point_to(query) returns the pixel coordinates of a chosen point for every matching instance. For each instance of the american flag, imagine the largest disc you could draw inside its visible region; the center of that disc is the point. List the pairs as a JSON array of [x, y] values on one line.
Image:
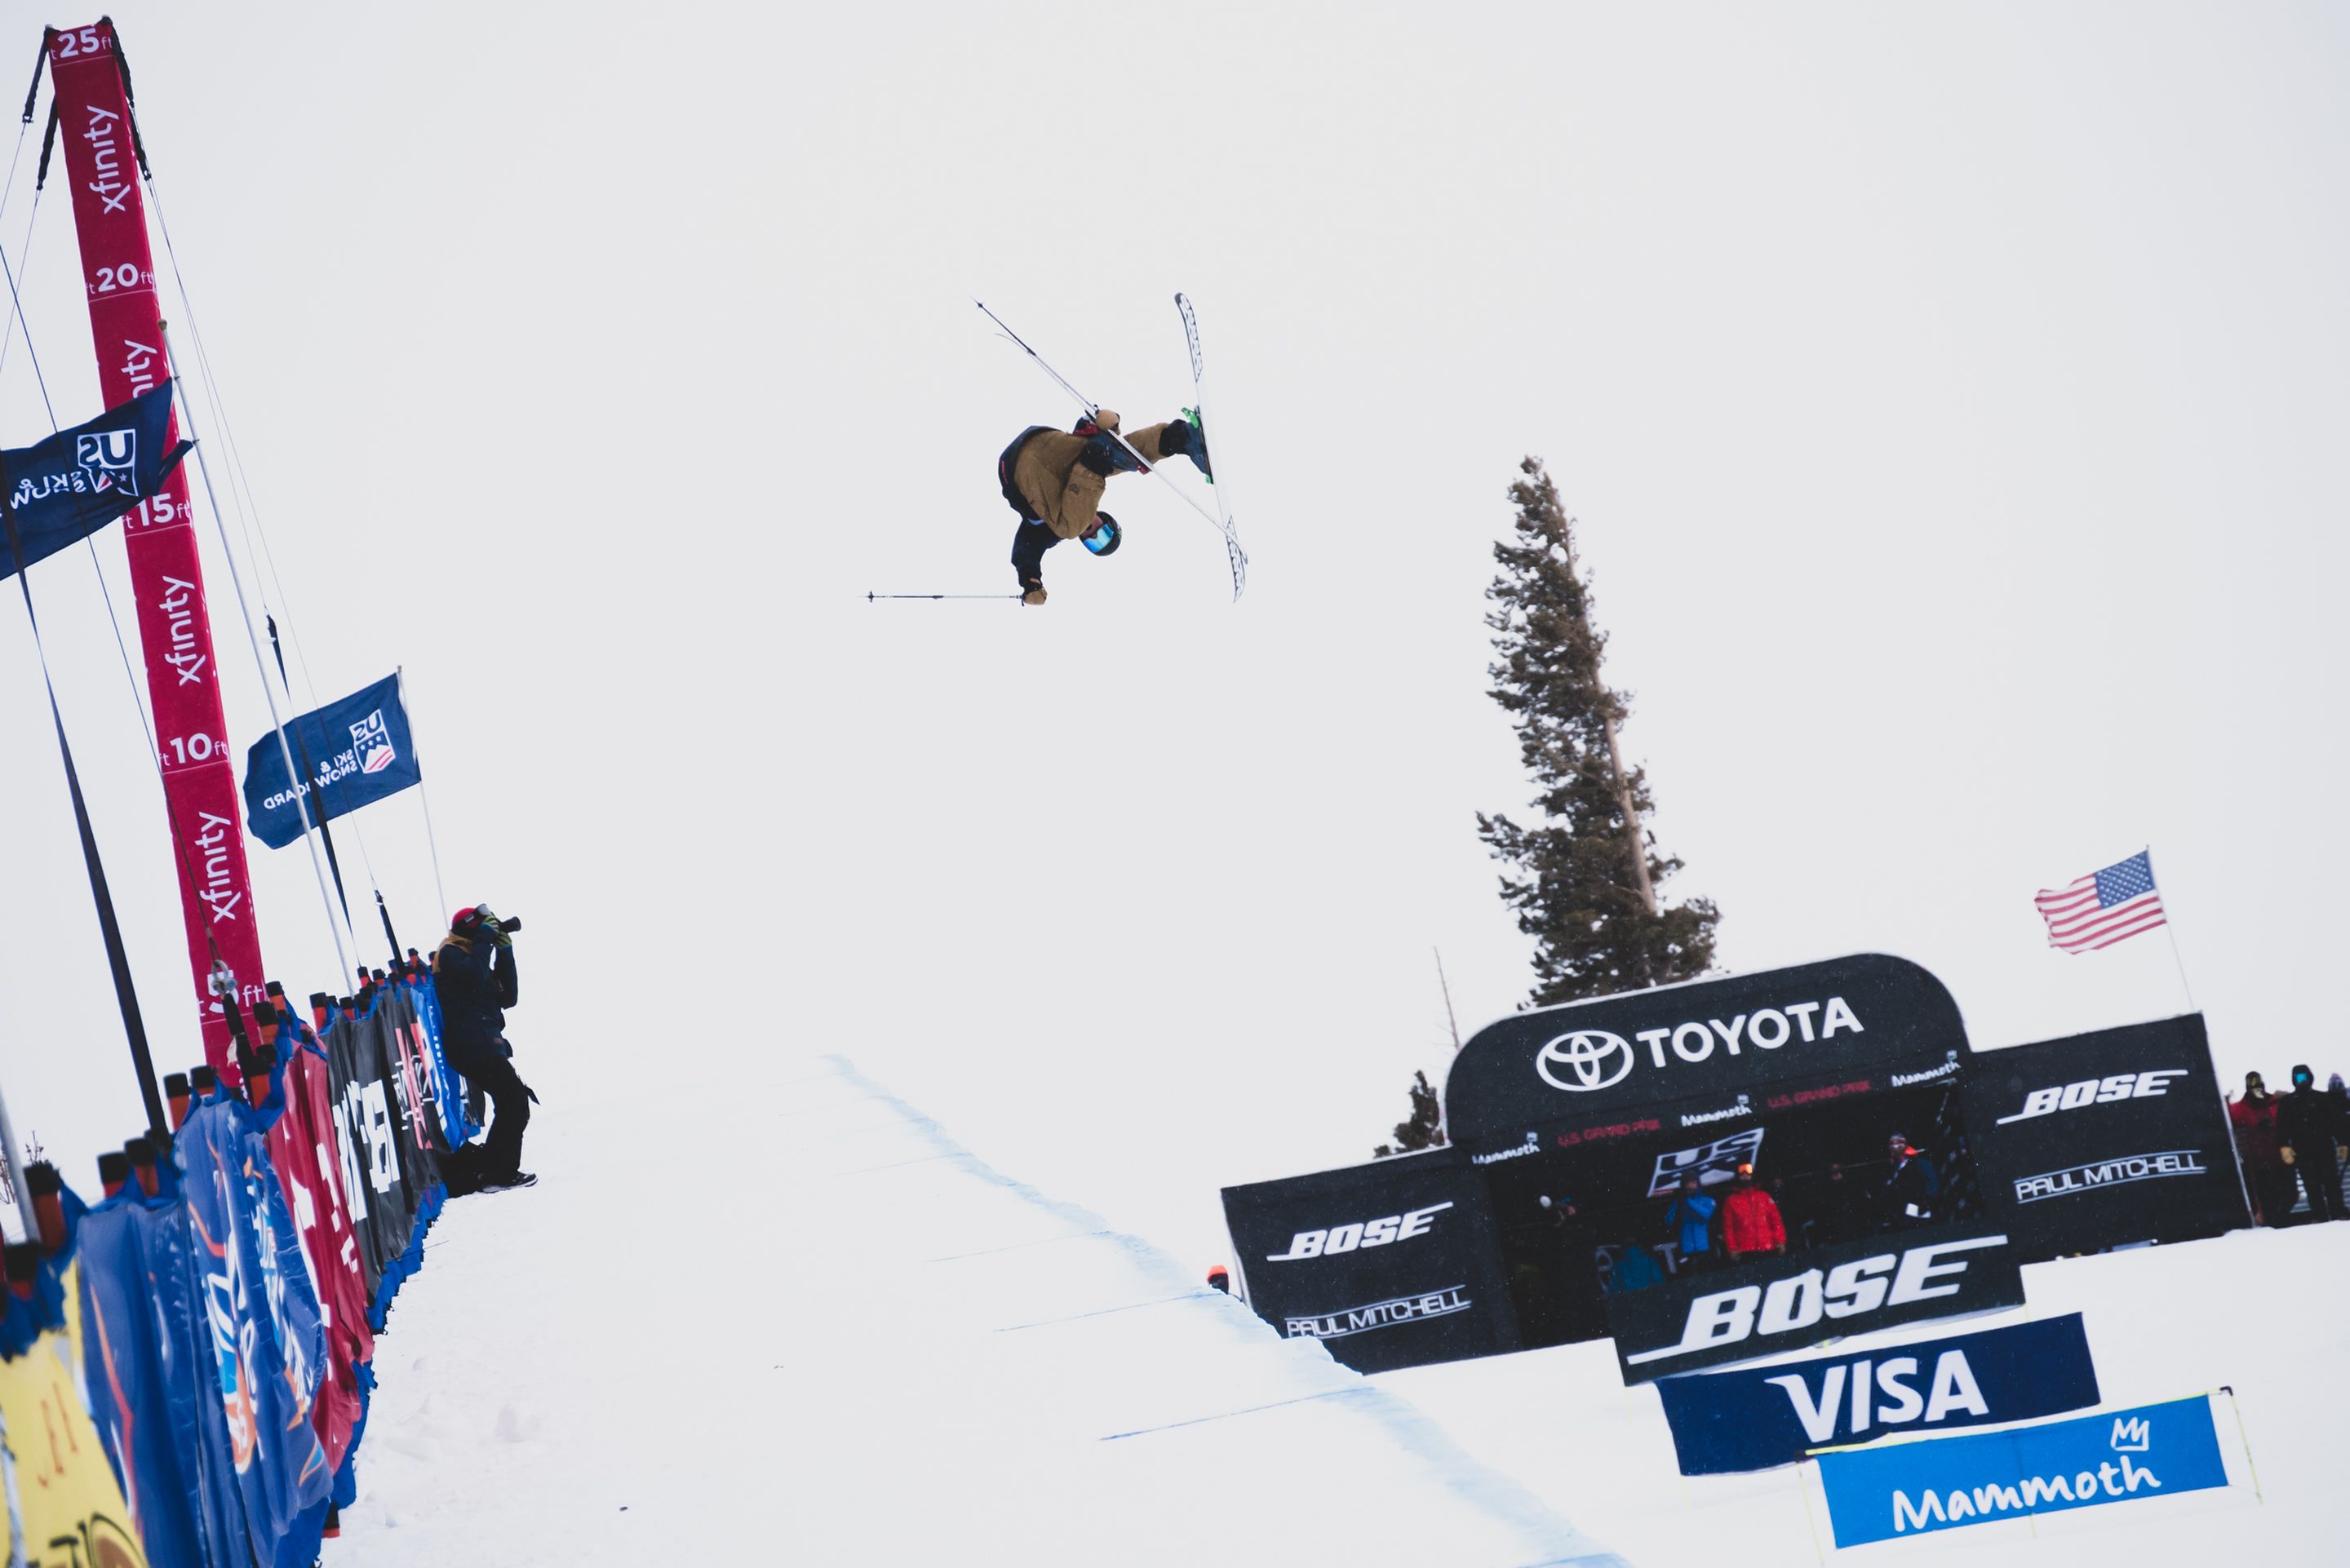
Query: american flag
[[2103, 907]]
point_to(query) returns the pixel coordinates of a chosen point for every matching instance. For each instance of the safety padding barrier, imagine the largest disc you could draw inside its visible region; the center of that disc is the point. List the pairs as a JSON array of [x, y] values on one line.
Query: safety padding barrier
[[188, 1362]]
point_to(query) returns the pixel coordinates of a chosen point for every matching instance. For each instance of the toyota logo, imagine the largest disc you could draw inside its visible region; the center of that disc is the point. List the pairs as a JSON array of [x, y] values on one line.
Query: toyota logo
[[1593, 1059]]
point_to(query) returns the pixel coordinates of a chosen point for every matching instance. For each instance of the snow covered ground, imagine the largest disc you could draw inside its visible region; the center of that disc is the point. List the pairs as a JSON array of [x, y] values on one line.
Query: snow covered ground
[[874, 1348], [871, 1348]]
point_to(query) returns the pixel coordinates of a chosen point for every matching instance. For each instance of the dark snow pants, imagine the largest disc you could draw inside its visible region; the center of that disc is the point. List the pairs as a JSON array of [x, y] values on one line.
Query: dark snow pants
[[2322, 1179]]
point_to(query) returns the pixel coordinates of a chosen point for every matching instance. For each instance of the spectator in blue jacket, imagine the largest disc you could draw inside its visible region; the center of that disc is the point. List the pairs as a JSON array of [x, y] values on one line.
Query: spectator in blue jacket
[[1688, 1224], [1636, 1269]]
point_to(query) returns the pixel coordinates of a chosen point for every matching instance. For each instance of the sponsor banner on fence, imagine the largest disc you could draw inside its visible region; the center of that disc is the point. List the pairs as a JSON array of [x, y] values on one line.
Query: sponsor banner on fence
[[1908, 1488], [302, 1147], [2104, 1138], [137, 1349], [64, 1507], [1761, 1416], [1392, 1264], [1783, 1303], [266, 1351], [1711, 1038], [385, 1127]]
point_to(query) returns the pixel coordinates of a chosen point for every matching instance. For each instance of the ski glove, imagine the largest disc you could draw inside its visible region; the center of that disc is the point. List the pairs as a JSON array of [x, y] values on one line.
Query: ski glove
[[1104, 455], [1034, 595], [1029, 542]]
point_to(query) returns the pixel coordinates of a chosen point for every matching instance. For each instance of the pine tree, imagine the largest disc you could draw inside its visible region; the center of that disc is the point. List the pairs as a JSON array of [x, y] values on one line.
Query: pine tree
[[1584, 881], [1425, 1130]]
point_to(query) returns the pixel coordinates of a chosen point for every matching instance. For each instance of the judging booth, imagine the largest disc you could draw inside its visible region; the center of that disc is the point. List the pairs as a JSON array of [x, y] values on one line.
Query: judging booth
[[1551, 1215]]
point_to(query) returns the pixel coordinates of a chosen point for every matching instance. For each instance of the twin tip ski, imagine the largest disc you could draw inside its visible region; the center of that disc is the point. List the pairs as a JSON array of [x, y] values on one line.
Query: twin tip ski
[[1222, 516], [1198, 415]]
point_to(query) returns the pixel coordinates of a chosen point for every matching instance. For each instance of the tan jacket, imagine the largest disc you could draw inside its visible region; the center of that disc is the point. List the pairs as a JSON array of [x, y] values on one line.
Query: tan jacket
[[1059, 490]]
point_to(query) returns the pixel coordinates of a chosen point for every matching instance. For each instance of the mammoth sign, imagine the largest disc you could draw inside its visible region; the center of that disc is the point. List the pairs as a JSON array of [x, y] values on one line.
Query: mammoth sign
[[1706, 1037]]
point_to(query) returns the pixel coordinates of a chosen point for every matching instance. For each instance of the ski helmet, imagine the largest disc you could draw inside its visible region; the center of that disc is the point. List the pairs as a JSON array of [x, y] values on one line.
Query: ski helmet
[[1102, 538]]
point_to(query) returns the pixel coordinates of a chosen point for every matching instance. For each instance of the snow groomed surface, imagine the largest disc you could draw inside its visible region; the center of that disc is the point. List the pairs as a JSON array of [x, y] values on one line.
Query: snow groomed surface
[[877, 1349]]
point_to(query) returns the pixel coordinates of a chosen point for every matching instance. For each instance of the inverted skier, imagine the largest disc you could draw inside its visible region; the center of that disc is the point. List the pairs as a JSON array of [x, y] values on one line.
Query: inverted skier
[[1054, 481]]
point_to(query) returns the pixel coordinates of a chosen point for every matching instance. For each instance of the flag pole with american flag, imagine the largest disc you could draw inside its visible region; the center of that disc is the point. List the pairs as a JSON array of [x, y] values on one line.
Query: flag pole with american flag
[[2110, 906]]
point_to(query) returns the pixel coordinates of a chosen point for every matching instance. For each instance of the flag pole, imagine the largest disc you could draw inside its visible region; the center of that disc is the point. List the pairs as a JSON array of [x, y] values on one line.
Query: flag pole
[[2170, 929]]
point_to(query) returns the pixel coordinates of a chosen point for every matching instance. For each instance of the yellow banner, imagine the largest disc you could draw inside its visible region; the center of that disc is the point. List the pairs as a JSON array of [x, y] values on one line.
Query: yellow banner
[[64, 1510]]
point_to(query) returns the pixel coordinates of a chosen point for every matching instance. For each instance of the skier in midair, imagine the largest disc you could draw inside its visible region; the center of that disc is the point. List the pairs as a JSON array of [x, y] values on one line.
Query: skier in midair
[[1054, 481]]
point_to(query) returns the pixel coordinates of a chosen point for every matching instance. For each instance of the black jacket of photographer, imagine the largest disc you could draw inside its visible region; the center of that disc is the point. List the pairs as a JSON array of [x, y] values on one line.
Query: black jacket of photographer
[[476, 982]]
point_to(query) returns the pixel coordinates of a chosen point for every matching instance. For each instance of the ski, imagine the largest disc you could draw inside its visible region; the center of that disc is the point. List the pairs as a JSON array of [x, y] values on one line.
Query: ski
[[1197, 414], [1223, 522]]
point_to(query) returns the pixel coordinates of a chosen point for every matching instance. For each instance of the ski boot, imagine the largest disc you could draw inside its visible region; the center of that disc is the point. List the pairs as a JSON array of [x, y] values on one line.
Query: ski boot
[[1195, 443]]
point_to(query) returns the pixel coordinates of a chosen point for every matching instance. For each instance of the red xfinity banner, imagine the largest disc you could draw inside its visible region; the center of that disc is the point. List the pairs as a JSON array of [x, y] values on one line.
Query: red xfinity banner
[[167, 578]]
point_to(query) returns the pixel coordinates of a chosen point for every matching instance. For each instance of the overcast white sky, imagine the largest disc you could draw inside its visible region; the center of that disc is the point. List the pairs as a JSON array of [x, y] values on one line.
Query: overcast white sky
[[1951, 398]]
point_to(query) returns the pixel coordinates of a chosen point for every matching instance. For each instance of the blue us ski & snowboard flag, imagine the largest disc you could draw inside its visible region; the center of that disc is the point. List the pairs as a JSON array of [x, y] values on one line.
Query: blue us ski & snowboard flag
[[356, 752], [61, 491]]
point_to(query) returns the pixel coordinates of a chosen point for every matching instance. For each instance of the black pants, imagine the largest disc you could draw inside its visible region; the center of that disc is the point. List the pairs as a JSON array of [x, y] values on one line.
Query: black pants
[[2274, 1188], [2322, 1179], [501, 1152]]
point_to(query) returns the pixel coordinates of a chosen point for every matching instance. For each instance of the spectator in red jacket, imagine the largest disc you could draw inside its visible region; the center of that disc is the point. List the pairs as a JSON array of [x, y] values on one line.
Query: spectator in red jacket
[[2253, 1119], [1751, 1226]]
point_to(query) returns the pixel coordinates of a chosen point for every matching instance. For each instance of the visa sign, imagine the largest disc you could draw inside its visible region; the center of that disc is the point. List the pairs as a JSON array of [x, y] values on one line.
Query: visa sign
[[1909, 1488], [1724, 1422]]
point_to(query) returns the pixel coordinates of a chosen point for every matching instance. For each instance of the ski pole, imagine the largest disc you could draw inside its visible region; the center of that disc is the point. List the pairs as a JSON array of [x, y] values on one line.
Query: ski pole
[[872, 598], [1092, 409]]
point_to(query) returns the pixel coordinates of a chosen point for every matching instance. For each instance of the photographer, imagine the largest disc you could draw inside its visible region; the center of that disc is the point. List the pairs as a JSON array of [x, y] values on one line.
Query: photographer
[[474, 974]]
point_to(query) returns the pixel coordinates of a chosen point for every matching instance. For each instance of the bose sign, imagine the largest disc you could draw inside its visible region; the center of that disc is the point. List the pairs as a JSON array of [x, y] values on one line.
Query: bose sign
[[1340, 1239], [1414, 1256], [1762, 1308], [2095, 1092], [2096, 1140]]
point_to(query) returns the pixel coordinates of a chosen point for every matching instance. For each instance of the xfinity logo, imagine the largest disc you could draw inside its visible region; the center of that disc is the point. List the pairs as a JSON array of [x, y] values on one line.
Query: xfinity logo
[[1584, 1059], [2129, 1167], [1366, 1233], [1381, 1314], [1799, 1301], [2095, 1091]]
